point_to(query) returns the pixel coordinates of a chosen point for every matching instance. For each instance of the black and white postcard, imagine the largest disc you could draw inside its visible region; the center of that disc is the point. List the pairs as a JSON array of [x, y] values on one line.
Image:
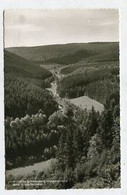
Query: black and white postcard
[[62, 84]]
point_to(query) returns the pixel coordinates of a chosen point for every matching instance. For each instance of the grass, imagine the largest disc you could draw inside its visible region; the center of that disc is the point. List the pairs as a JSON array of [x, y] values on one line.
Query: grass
[[38, 167], [85, 102]]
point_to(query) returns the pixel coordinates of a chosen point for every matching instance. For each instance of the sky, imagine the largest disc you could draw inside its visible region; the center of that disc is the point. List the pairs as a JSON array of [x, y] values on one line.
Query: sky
[[47, 27]]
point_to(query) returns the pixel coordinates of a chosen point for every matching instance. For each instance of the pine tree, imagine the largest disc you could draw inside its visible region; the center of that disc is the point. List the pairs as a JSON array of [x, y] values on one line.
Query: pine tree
[[92, 122], [70, 152], [105, 128]]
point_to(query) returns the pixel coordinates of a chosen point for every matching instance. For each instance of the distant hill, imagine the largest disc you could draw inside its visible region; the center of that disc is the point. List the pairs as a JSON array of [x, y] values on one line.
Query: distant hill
[[22, 68], [69, 53]]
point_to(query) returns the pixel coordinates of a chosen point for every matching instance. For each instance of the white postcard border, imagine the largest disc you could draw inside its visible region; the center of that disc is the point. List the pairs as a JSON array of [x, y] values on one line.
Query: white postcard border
[[72, 4]]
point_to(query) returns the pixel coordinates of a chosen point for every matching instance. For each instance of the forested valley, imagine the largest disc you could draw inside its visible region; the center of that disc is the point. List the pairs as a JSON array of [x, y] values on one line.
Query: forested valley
[[85, 144], [97, 83]]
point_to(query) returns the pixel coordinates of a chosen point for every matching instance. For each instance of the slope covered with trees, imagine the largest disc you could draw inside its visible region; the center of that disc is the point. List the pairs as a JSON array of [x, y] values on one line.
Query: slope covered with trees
[[24, 87], [23, 68], [23, 97], [29, 139], [97, 83], [85, 144], [73, 52]]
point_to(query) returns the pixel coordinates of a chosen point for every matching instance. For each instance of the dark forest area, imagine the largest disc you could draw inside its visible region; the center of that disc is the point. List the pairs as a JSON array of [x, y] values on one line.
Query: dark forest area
[[84, 143]]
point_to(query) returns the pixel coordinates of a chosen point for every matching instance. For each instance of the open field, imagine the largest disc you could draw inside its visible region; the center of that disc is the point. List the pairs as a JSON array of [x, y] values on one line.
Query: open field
[[38, 167], [85, 102]]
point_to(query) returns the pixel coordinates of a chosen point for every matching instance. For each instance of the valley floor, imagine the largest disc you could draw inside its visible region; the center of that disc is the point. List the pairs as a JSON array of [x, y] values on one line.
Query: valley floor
[[84, 102]]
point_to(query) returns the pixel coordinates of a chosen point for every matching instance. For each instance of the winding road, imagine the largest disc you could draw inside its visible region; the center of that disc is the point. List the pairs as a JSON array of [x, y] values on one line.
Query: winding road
[[84, 102]]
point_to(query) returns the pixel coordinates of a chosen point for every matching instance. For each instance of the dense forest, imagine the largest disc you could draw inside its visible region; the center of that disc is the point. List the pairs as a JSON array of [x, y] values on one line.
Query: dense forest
[[25, 87], [97, 83], [85, 144], [100, 51], [29, 138], [88, 64], [23, 97], [23, 68]]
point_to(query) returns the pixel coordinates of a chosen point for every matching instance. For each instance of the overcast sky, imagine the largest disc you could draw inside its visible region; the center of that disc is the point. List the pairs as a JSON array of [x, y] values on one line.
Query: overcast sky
[[45, 27]]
